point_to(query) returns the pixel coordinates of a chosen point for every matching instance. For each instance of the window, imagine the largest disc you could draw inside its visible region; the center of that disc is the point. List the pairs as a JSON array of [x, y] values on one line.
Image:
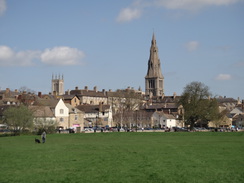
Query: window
[[61, 111], [76, 117], [61, 119]]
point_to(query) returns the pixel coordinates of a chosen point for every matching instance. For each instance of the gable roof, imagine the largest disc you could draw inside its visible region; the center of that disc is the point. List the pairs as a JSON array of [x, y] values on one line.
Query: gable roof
[[41, 111], [168, 116], [226, 100], [91, 93], [68, 97], [92, 108], [73, 109]]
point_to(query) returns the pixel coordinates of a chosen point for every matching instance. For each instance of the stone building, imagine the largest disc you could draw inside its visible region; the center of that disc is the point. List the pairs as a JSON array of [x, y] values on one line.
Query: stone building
[[154, 80], [92, 97], [57, 85], [61, 112], [97, 115]]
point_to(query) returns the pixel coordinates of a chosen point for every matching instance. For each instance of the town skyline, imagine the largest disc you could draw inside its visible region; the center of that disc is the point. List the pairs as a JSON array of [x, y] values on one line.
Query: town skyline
[[108, 45]]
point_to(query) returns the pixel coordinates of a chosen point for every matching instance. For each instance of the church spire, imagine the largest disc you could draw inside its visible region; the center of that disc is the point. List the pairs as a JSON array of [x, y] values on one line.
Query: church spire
[[153, 39], [154, 78]]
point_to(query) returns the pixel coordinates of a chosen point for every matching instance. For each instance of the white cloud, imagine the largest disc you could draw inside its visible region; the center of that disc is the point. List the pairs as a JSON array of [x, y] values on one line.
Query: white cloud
[[192, 4], [223, 77], [3, 6], [192, 45], [9, 57], [134, 11], [62, 56], [54, 56], [128, 14]]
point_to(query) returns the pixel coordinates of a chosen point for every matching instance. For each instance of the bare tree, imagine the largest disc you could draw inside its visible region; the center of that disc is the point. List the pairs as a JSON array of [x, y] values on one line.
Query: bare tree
[[126, 103], [26, 89]]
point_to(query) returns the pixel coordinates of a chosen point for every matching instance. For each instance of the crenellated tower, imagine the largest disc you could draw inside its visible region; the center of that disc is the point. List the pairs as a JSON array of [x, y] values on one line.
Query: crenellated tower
[[57, 85], [154, 80]]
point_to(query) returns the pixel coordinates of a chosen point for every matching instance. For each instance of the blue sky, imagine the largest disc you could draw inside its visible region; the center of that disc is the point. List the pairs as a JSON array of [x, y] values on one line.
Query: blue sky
[[106, 43]]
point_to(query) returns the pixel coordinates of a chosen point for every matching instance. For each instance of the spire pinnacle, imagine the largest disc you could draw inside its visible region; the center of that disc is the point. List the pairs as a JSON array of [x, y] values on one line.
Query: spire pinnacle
[[153, 39]]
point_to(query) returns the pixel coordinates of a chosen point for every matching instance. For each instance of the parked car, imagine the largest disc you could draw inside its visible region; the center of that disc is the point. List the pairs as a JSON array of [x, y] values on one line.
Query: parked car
[[5, 131], [178, 129]]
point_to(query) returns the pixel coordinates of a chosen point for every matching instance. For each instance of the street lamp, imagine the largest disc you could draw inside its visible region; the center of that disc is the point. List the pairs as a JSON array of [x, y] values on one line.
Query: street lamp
[[136, 119], [96, 125]]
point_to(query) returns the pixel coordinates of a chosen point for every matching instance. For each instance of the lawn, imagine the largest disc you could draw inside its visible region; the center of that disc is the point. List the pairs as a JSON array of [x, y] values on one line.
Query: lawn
[[124, 157]]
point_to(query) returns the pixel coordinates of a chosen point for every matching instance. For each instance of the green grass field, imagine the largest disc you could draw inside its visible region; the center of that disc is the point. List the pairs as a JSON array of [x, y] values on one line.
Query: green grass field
[[124, 157]]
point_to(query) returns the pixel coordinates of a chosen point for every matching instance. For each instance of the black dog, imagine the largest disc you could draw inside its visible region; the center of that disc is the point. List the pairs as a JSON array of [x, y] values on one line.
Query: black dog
[[37, 141]]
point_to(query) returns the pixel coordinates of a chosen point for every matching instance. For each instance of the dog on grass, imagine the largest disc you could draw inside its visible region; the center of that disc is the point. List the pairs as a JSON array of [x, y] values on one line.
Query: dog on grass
[[37, 141]]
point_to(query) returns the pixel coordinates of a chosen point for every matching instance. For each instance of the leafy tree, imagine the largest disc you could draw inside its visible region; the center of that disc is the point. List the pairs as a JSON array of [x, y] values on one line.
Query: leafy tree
[[18, 117], [198, 107]]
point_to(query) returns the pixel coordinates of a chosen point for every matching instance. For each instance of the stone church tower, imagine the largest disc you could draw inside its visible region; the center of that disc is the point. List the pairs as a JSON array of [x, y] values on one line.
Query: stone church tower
[[58, 85], [154, 80]]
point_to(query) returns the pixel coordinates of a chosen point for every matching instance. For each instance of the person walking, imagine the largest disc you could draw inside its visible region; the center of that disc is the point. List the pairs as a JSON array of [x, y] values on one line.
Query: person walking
[[44, 136]]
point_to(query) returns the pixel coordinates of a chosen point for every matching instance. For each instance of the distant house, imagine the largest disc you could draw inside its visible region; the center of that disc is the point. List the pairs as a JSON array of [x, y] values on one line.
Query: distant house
[[9, 97], [73, 100], [238, 121], [167, 108], [236, 111], [160, 119], [92, 97], [43, 116], [62, 114], [225, 122], [229, 103], [76, 118], [27, 98], [97, 115]]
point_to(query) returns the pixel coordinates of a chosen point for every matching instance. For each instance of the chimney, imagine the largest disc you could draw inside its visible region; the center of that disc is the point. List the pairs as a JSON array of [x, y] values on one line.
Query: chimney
[[16, 91], [238, 100], [7, 92], [104, 92], [67, 92], [174, 94], [95, 88], [242, 105], [40, 94], [100, 107], [20, 97], [86, 88], [76, 88]]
